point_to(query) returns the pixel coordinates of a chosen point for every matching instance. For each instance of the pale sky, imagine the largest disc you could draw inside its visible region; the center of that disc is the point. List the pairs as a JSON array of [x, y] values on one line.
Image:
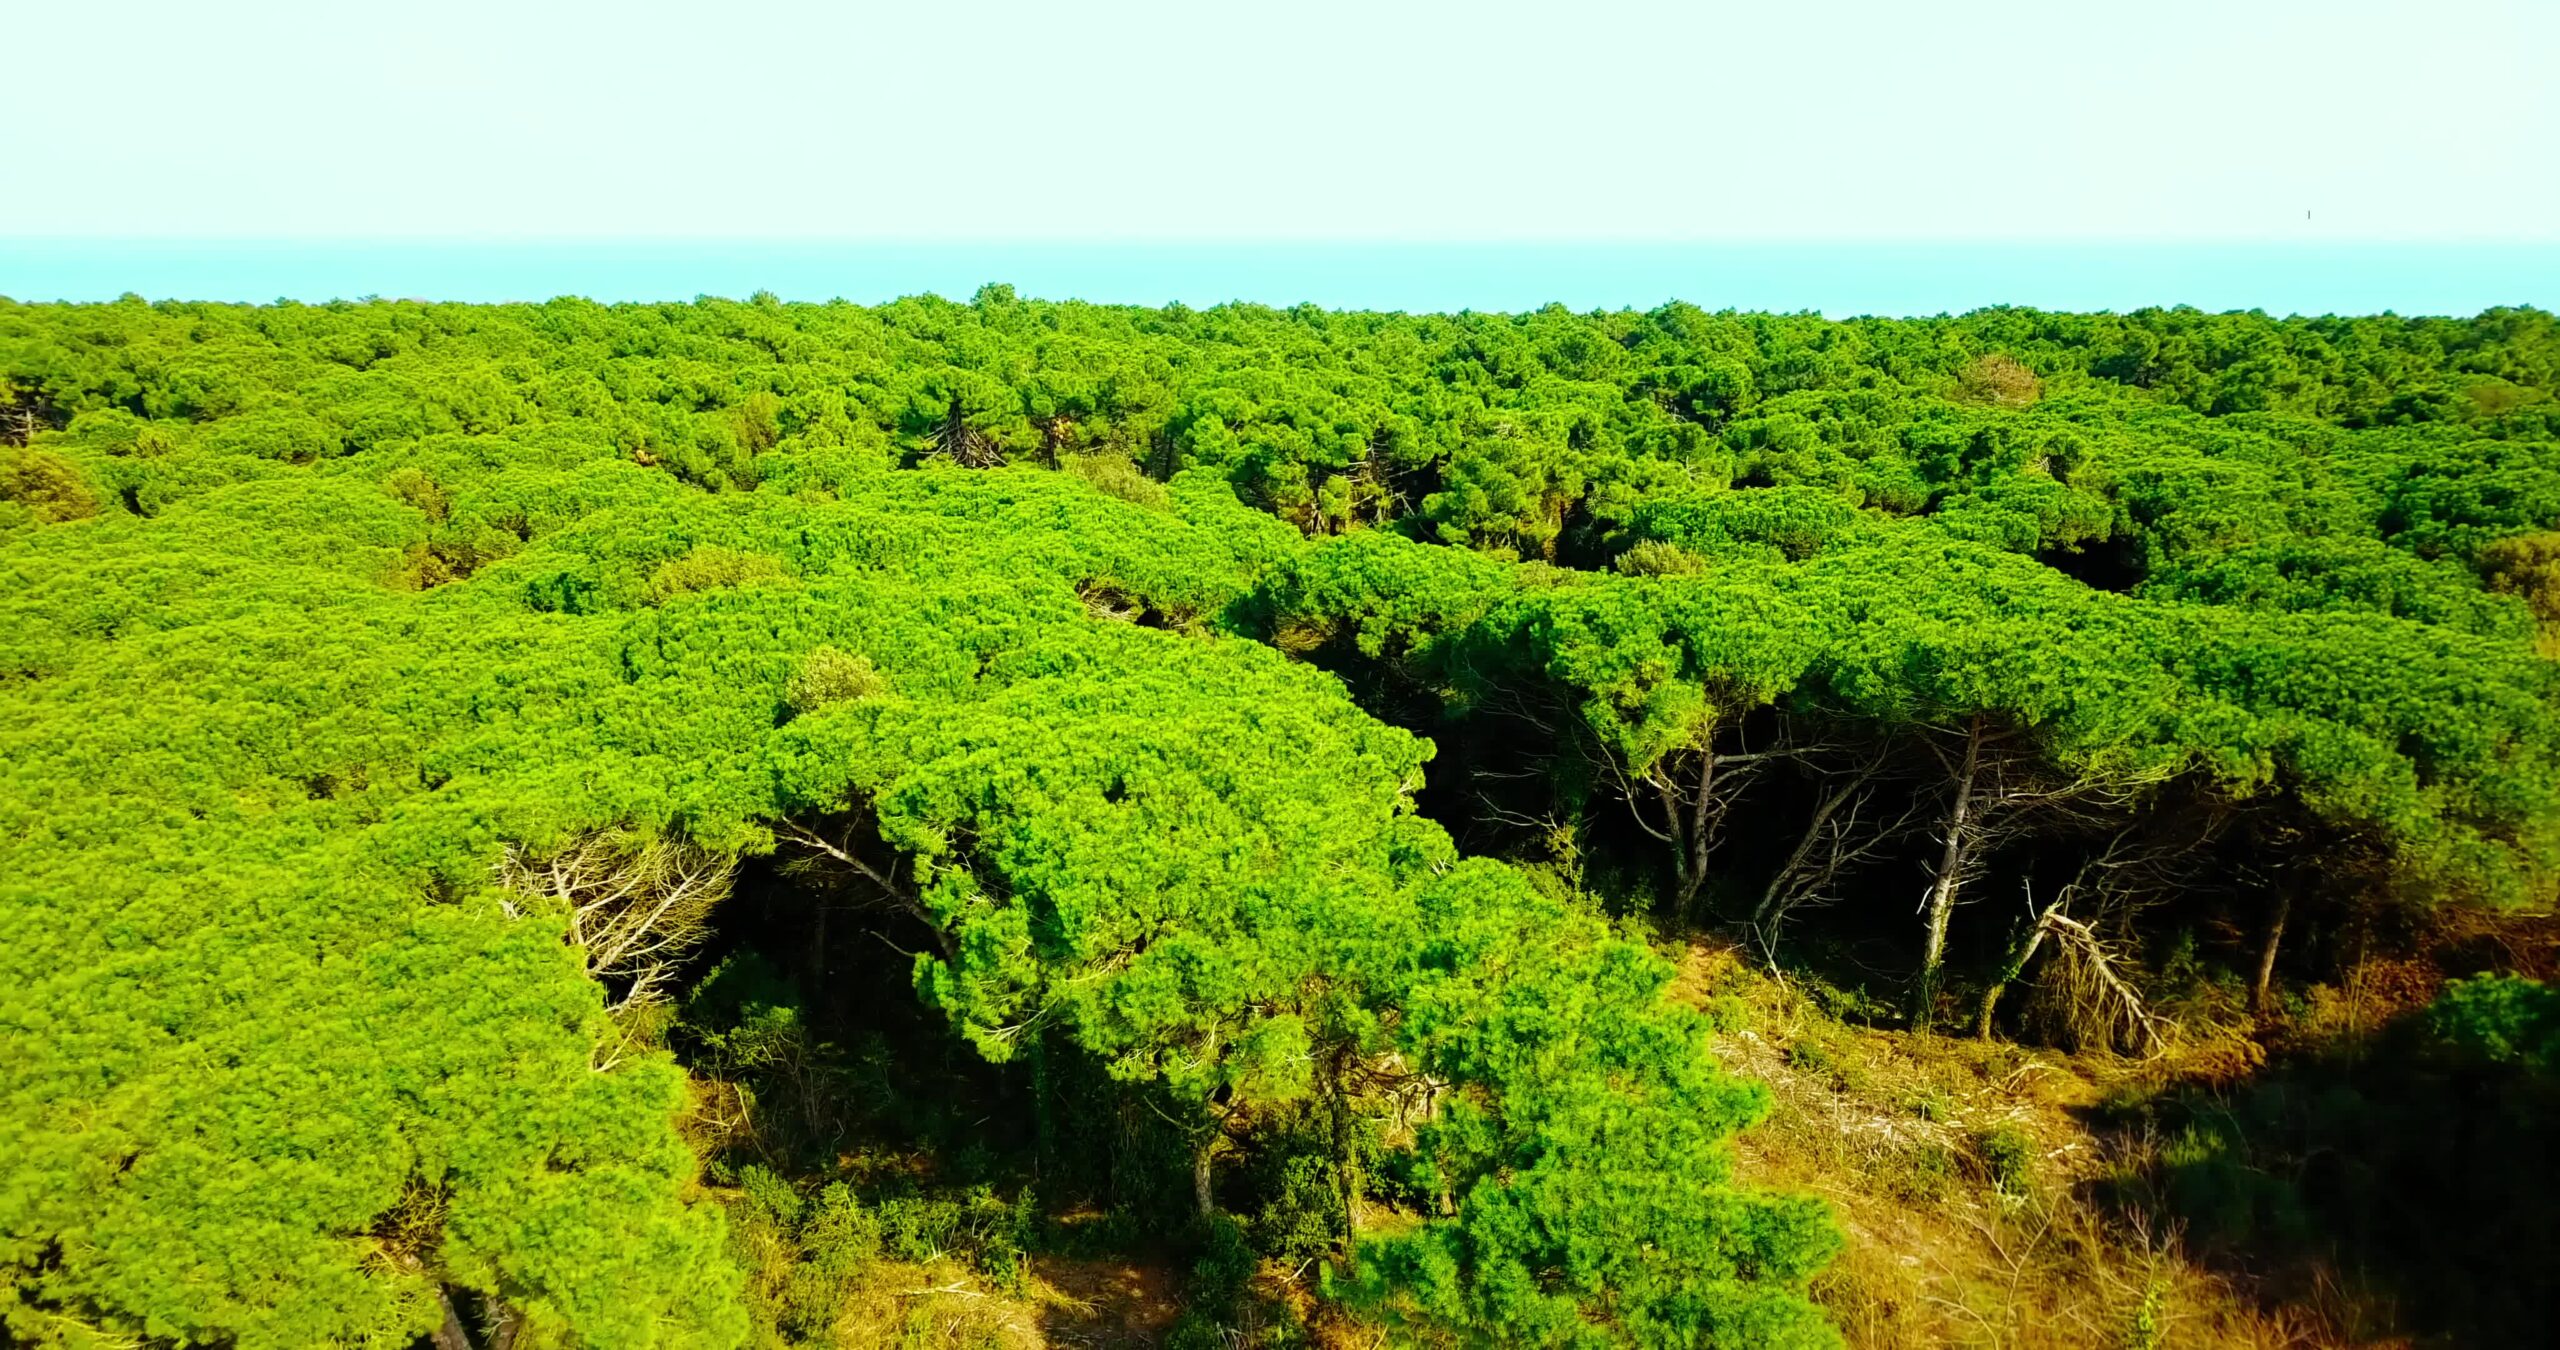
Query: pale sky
[[2388, 120]]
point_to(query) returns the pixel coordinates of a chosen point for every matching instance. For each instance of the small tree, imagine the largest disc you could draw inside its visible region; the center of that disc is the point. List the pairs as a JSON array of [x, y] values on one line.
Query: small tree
[[49, 487], [828, 675]]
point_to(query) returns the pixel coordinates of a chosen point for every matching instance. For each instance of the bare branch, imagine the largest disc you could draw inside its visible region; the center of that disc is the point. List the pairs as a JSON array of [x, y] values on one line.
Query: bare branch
[[1843, 832], [882, 879], [636, 906]]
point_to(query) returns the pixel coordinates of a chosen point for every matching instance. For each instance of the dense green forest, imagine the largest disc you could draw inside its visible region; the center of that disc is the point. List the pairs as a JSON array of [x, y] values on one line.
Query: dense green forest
[[572, 824]]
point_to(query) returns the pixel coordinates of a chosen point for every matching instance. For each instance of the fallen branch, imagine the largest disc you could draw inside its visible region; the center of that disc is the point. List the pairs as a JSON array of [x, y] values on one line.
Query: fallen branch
[[954, 1288], [2097, 997]]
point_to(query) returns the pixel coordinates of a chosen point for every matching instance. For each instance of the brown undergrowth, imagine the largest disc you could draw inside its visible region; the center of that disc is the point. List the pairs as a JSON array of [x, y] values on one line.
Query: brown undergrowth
[[946, 1303], [1993, 1195], [1972, 1185]]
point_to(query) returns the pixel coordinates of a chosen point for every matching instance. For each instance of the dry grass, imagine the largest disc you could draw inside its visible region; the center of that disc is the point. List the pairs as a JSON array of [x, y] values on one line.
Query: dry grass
[[943, 1305], [1962, 1171], [1105, 1303]]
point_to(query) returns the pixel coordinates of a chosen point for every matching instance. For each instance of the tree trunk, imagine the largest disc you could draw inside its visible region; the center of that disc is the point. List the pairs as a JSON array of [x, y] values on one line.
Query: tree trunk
[[819, 989], [1688, 832], [1200, 1195], [1044, 1124], [502, 1335], [1444, 1202], [449, 1334], [1766, 912], [2262, 994], [1796, 876], [1698, 832], [1942, 889], [2016, 966], [1346, 1187]]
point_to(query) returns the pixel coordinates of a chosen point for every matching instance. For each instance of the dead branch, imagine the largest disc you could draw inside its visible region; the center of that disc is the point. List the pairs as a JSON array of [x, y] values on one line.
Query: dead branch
[[1844, 831], [636, 905], [844, 851], [2091, 996], [1694, 789], [964, 444], [2103, 1006], [1999, 787]]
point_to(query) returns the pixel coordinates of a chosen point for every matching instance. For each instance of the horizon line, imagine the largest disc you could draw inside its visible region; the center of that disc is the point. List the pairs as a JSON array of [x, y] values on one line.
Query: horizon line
[[1282, 241]]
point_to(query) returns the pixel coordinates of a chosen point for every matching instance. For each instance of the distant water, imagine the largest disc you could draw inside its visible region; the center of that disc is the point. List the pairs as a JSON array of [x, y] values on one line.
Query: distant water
[[1835, 279]]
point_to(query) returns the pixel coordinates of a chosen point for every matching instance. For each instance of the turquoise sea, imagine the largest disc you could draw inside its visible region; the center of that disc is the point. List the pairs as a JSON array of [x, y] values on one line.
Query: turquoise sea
[[1837, 279]]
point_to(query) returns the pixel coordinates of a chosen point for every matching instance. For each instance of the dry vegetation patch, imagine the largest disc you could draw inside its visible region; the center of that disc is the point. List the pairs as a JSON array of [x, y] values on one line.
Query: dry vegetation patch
[[1967, 1176], [1105, 1302]]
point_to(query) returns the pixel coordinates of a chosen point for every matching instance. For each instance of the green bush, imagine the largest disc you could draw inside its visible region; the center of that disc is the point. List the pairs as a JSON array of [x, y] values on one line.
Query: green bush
[[2500, 1019], [1115, 475], [708, 568], [2006, 1154], [827, 675], [46, 486]]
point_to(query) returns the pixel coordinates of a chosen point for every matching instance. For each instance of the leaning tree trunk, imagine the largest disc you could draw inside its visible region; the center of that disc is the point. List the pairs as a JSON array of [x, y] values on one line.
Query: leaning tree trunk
[[1819, 854], [2016, 966], [2262, 993], [1952, 861], [1692, 801], [449, 1334], [1773, 896], [1346, 1186]]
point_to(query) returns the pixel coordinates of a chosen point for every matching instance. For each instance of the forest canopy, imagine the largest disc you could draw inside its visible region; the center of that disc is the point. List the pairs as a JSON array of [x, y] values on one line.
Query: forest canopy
[[1273, 738]]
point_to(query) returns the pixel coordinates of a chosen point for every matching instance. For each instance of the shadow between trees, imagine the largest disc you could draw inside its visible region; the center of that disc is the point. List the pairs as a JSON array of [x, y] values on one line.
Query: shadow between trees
[[821, 1068], [2400, 1184]]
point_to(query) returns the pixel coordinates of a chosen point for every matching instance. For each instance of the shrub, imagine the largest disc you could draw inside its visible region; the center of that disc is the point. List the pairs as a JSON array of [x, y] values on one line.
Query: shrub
[[2007, 1154], [1116, 476], [413, 486], [1919, 1174], [2500, 1019], [827, 675], [47, 486], [1999, 379], [709, 567], [1654, 558]]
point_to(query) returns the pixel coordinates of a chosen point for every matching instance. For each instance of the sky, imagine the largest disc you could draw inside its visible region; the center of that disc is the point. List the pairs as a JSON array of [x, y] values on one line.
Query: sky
[[962, 120]]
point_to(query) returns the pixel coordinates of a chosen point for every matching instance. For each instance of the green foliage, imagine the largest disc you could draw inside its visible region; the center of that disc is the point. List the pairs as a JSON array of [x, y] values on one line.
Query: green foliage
[[1589, 1200], [2007, 1155], [1997, 378], [334, 608], [827, 675], [1654, 558], [2396, 1161], [42, 487], [1195, 855], [2500, 1019], [804, 1255], [709, 567], [2148, 1328], [1116, 476]]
